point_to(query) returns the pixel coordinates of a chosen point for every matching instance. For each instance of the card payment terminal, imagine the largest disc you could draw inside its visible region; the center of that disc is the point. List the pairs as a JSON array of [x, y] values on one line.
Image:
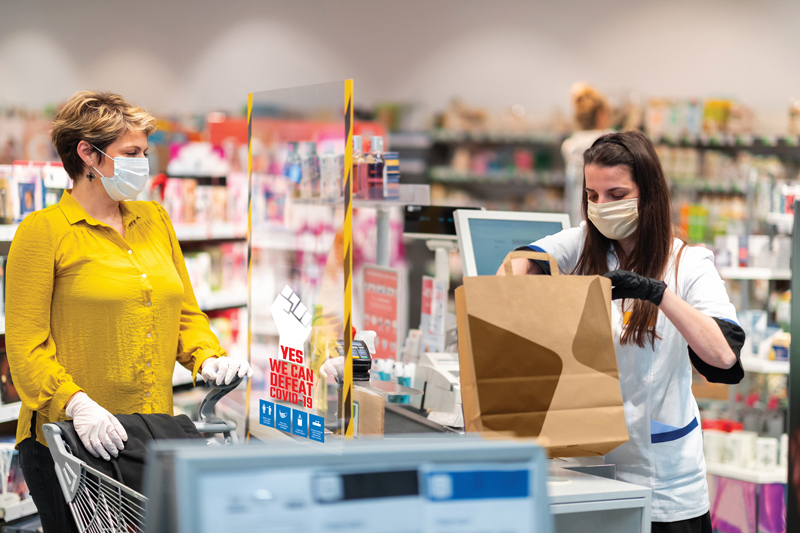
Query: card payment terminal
[[362, 361]]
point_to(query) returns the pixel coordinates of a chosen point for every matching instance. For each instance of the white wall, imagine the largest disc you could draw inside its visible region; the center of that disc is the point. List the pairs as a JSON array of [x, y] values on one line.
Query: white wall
[[175, 56]]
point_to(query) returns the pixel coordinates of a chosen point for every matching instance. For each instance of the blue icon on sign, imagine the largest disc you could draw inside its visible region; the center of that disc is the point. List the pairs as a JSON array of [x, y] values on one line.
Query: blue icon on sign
[[284, 419], [300, 423], [266, 414], [316, 428]]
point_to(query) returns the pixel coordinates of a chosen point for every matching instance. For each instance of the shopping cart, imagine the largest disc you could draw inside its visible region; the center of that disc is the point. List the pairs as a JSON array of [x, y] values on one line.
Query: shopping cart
[[101, 504]]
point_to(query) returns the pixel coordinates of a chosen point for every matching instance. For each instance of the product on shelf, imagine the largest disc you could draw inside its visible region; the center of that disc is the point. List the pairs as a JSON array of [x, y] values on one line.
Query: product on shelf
[[27, 186], [6, 204], [391, 176], [375, 164], [331, 175], [216, 269], [197, 159], [8, 392], [693, 118], [359, 165], [54, 181], [237, 196], [205, 201], [230, 327], [189, 199], [309, 184], [293, 167]]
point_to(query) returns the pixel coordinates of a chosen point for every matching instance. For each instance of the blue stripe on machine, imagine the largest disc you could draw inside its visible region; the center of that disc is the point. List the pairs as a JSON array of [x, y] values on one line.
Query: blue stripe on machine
[[674, 434], [480, 485]]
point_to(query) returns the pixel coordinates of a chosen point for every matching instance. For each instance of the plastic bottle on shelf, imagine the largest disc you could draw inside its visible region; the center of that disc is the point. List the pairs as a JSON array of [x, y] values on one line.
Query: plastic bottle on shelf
[[752, 415], [330, 178], [309, 186], [359, 175], [375, 165], [774, 419], [292, 168]]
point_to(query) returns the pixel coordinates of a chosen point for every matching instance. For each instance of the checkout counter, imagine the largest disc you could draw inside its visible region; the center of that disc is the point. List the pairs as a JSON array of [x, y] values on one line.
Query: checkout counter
[[582, 494]]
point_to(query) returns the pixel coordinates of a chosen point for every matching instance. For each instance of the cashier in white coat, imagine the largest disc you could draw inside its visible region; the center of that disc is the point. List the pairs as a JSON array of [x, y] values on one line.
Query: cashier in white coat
[[670, 311]]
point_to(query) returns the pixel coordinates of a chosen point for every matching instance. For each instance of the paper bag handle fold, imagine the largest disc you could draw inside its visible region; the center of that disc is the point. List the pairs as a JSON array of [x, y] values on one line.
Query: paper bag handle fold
[[538, 256]]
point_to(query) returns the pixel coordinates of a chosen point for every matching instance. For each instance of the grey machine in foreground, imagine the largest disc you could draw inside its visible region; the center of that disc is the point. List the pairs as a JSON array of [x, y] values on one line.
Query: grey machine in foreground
[[434, 484]]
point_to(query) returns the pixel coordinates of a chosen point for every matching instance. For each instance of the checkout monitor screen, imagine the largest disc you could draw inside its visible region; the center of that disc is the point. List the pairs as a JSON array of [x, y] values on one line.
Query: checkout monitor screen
[[493, 239]]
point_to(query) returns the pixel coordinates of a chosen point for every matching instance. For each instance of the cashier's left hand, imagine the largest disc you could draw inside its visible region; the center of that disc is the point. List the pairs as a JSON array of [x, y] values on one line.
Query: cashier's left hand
[[224, 369], [630, 285], [335, 368]]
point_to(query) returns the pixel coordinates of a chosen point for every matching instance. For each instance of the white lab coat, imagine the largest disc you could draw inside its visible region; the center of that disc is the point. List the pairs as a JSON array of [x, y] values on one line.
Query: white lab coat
[[665, 450]]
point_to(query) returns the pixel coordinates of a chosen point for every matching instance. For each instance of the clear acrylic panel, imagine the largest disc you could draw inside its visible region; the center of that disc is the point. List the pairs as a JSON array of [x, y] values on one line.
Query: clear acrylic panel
[[297, 242]]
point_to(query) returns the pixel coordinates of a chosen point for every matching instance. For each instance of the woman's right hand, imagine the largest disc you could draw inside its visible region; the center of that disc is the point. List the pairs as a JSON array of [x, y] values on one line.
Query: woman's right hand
[[521, 266], [99, 430]]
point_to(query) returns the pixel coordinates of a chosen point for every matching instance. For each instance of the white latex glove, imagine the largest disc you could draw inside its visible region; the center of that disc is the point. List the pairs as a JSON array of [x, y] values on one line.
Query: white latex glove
[[369, 339], [99, 430], [335, 368], [224, 369]]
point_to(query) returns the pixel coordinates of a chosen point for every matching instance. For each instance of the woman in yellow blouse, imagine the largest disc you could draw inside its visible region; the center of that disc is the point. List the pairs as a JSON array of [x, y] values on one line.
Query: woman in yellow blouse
[[99, 305]]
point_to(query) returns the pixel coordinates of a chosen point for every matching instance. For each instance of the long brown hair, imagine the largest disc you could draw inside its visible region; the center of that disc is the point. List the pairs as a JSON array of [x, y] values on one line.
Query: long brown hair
[[654, 235]]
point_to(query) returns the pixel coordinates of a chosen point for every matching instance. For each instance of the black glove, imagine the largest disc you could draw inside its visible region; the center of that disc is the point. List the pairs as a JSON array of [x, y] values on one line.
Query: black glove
[[631, 285]]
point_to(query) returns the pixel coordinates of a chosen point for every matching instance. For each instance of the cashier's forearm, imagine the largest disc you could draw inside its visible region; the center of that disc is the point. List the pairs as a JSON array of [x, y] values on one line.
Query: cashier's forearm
[[700, 331]]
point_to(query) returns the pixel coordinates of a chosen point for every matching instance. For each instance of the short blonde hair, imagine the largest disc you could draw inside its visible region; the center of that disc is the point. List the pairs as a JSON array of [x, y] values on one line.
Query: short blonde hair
[[588, 102], [99, 118]]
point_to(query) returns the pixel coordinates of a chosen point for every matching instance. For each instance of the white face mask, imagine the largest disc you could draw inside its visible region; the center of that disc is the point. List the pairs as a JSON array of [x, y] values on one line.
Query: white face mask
[[616, 220], [129, 179]]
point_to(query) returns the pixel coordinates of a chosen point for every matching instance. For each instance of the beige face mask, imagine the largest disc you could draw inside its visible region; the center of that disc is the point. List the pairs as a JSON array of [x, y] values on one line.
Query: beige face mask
[[616, 220]]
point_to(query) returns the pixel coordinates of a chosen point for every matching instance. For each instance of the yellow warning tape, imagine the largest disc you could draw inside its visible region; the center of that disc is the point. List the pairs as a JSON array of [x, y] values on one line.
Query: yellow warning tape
[[249, 250], [347, 393]]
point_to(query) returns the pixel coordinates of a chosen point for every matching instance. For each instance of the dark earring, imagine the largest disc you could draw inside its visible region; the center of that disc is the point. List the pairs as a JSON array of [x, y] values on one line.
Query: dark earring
[[90, 176]]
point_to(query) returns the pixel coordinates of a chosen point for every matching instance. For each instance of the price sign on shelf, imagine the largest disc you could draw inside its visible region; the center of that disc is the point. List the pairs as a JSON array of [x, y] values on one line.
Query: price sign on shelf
[[381, 308], [432, 318]]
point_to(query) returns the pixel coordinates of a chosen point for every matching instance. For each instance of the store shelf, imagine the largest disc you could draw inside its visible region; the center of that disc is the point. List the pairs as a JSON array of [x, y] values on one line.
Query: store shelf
[[7, 232], [760, 366], [210, 231], [408, 140], [747, 141], [450, 136], [272, 240], [181, 376], [9, 412], [222, 300], [780, 219], [184, 232], [755, 273], [444, 174], [413, 166], [762, 477], [18, 510], [704, 186]]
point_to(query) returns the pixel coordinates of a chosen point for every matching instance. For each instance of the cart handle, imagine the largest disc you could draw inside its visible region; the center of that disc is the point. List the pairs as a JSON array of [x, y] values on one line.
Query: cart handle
[[210, 401]]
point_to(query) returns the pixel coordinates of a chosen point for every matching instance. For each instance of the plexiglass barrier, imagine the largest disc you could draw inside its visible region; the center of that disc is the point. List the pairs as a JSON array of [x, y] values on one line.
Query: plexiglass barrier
[[299, 242]]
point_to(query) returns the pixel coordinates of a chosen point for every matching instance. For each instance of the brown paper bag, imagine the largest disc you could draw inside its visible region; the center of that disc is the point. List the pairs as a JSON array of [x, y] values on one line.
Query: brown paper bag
[[537, 358]]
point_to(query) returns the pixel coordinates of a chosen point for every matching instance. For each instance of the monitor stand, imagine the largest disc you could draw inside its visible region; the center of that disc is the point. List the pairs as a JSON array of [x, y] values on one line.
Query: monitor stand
[[442, 249]]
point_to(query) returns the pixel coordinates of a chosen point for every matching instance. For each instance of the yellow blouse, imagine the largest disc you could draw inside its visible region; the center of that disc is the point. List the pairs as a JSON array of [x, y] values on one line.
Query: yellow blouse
[[88, 310]]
